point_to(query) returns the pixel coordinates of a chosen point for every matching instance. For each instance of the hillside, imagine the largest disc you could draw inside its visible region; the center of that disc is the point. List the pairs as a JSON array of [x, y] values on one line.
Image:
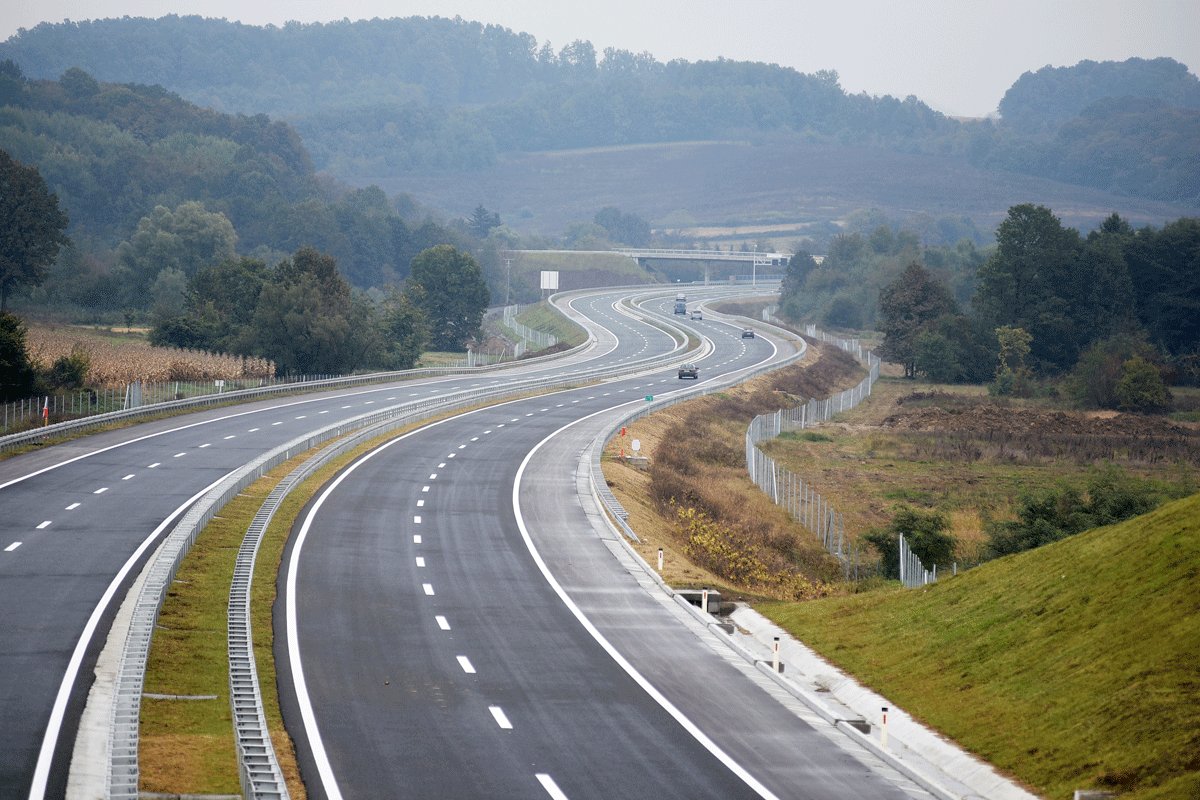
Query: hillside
[[1070, 666], [380, 99]]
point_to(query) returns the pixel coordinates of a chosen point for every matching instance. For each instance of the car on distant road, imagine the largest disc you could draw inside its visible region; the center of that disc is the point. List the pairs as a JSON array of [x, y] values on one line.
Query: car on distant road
[[747, 333], [689, 370], [697, 315]]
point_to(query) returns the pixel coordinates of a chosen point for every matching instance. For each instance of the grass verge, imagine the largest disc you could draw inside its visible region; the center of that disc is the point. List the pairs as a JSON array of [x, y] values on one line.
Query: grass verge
[[546, 318], [1071, 666]]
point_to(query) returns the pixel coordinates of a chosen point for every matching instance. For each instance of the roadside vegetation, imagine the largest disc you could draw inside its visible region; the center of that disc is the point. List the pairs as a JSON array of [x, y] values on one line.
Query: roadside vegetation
[[1068, 665]]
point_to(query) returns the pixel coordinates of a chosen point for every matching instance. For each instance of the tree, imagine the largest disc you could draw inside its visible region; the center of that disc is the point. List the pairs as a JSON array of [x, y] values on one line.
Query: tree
[[303, 319], [448, 286], [1032, 282], [1093, 381], [925, 532], [32, 227], [188, 238], [405, 333], [17, 374], [482, 221], [1012, 374], [909, 306], [1141, 387]]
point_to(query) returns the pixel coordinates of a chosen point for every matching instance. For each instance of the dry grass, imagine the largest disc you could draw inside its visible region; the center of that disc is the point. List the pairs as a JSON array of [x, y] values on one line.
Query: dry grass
[[117, 359], [697, 502]]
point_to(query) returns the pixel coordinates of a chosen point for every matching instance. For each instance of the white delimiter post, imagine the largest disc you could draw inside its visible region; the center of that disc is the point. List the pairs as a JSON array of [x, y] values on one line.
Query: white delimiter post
[[883, 739], [660, 556], [704, 600], [775, 654]]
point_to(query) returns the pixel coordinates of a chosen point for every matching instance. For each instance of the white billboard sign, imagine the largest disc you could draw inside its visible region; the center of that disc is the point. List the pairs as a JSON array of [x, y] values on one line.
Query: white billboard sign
[[550, 280]]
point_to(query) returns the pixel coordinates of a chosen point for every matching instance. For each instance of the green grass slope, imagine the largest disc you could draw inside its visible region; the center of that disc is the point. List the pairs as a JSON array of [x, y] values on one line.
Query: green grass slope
[[1073, 666]]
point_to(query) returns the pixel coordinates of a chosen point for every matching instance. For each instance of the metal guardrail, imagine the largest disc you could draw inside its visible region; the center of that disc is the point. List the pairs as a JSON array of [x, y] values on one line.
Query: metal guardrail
[[245, 395], [257, 766]]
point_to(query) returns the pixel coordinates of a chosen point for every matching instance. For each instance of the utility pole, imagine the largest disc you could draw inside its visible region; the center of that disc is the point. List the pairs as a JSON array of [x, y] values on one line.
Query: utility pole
[[507, 281]]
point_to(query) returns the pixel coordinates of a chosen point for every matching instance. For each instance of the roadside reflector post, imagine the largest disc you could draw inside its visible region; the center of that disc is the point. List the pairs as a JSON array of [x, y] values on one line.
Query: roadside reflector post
[[883, 738], [660, 554], [775, 654], [704, 600]]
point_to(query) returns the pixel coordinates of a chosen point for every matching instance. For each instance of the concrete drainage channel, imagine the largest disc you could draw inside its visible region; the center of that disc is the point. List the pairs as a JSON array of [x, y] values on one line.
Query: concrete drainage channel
[[258, 767]]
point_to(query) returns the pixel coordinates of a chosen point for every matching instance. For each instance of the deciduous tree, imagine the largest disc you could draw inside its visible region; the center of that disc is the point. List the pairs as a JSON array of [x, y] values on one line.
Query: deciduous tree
[[907, 307], [32, 227], [448, 286]]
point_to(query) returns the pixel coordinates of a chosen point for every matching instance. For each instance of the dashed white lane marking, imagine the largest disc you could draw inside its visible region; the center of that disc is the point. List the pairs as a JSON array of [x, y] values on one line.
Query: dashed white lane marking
[[127, 477], [474, 438], [101, 490], [466, 665], [501, 425], [206, 444], [485, 433], [543, 409], [43, 525], [154, 465], [254, 430], [302, 416], [515, 419], [420, 503], [369, 402], [277, 423], [530, 414], [417, 519], [574, 401], [550, 786], [462, 447], [393, 397], [420, 561], [452, 455], [433, 476], [442, 623], [15, 545], [428, 587], [416, 538], [500, 717], [179, 455], [424, 488], [560, 405], [442, 465], [231, 436], [73, 506], [326, 411]]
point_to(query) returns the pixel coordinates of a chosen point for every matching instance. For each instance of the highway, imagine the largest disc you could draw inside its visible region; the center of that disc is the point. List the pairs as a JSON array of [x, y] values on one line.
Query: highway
[[457, 624], [77, 521]]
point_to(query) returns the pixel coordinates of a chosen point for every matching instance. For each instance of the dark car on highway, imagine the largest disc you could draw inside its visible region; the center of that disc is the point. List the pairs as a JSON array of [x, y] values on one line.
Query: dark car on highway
[[747, 333], [689, 371]]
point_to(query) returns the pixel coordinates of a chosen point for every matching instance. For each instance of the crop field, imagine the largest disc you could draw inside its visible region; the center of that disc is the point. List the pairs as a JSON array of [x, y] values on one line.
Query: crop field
[[789, 183], [115, 359]]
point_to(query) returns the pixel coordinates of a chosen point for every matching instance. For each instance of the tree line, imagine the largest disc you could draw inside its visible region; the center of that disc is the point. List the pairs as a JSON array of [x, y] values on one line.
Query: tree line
[[1110, 319]]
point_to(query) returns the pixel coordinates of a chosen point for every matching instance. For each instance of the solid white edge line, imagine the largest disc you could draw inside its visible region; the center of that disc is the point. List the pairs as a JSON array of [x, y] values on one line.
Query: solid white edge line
[[307, 715], [613, 653], [41, 773]]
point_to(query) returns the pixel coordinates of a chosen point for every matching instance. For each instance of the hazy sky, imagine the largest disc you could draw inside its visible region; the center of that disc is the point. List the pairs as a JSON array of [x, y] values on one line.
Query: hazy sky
[[957, 55]]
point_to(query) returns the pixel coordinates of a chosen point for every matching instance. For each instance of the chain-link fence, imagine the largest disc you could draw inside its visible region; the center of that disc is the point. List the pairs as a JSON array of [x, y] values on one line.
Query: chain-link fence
[[539, 339], [787, 489]]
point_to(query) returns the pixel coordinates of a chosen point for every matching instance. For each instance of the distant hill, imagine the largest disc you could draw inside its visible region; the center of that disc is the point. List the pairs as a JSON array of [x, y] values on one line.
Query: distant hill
[[400, 101], [113, 152]]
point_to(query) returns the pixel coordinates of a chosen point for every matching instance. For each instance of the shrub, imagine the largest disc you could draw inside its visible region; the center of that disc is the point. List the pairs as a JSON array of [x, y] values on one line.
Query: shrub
[[925, 532], [1141, 387]]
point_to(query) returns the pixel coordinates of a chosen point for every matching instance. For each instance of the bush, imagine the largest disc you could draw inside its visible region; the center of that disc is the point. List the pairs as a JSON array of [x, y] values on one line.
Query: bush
[[925, 532], [1141, 387], [16, 371], [69, 371], [1056, 514]]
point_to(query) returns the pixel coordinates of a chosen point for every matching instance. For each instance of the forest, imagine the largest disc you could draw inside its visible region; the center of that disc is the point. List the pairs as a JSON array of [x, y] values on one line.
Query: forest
[[389, 96]]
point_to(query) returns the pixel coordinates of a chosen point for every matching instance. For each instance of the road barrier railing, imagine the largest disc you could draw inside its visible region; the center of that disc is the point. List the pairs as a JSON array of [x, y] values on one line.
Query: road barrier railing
[[258, 767]]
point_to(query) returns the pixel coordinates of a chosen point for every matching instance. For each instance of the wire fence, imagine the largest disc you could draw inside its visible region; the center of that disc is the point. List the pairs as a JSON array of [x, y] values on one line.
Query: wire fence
[[51, 408], [787, 489], [912, 571], [539, 339]]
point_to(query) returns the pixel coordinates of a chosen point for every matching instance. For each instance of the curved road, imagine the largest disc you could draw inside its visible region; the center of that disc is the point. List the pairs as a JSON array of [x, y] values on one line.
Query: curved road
[[455, 624], [77, 520]]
